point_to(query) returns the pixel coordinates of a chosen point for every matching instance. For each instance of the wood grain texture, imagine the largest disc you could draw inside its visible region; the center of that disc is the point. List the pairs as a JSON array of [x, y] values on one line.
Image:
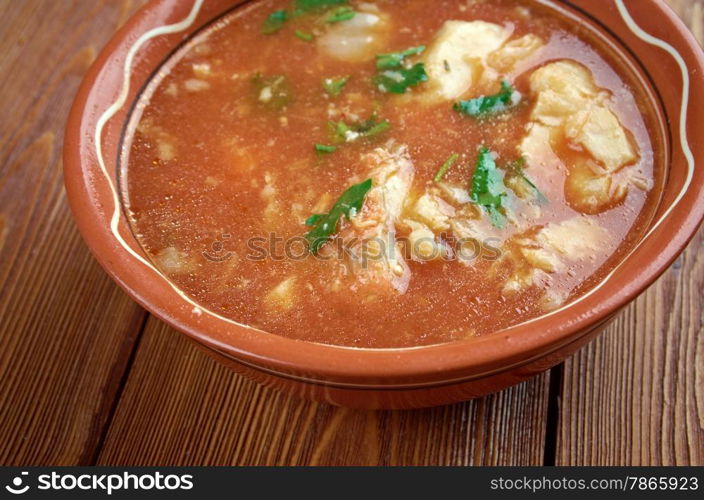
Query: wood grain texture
[[66, 331], [692, 13], [635, 396], [181, 407]]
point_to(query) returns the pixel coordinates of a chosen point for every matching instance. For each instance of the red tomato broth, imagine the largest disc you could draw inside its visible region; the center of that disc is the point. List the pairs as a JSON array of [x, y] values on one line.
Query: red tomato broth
[[208, 198]]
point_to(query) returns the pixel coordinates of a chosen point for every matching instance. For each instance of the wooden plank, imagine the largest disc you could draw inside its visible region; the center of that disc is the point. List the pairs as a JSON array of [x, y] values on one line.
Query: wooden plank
[[181, 407], [636, 395], [692, 13], [67, 331]]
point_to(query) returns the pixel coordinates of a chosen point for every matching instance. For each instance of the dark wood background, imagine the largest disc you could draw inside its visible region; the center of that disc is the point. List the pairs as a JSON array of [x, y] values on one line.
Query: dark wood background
[[88, 377]]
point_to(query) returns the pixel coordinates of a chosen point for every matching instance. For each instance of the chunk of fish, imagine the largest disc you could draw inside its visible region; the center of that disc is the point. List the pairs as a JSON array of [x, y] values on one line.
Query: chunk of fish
[[532, 257], [570, 106], [506, 58], [423, 243], [456, 58], [599, 131], [471, 56], [561, 89], [374, 255], [432, 211], [356, 39]]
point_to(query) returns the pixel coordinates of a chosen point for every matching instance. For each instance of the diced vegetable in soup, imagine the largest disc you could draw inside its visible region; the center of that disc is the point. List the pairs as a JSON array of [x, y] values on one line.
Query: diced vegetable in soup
[[391, 173]]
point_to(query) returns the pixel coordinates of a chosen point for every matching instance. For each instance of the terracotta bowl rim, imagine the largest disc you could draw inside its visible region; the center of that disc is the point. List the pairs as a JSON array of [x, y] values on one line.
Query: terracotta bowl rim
[[389, 367]]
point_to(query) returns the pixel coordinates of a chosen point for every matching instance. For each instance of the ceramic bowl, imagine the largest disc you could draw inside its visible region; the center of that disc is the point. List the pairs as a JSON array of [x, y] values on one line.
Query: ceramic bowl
[[648, 36]]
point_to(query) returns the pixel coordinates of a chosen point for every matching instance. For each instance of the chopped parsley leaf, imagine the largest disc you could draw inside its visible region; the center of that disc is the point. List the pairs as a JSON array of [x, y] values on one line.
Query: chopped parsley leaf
[[303, 6], [445, 167], [487, 189], [274, 22], [349, 204], [483, 106], [396, 78], [342, 132], [395, 59], [341, 14], [306, 37], [339, 131], [324, 149], [334, 86], [371, 127], [397, 81]]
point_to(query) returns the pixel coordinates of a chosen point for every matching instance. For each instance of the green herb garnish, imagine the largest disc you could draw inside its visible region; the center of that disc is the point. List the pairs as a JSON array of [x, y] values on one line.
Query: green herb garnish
[[339, 131], [348, 204], [397, 81], [395, 59], [371, 127], [488, 187], [274, 22], [324, 149], [272, 91], [445, 167], [308, 5], [343, 132], [480, 107], [393, 76], [306, 37], [341, 14], [516, 168], [334, 86]]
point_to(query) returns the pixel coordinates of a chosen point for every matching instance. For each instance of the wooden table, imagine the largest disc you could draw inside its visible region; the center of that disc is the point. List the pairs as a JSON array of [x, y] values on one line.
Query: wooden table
[[88, 377]]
